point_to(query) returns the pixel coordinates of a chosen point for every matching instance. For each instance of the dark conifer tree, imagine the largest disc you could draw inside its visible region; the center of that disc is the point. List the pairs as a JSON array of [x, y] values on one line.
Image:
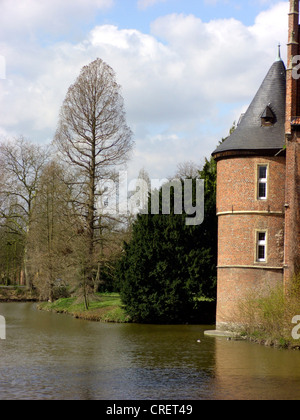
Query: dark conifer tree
[[168, 268]]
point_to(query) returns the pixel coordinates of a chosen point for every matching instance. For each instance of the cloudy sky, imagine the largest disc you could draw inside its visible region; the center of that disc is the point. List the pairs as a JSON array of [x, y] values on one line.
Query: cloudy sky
[[188, 68]]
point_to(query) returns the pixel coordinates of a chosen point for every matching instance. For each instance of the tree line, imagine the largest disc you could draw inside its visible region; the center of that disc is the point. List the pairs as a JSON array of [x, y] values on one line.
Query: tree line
[[57, 238], [52, 232]]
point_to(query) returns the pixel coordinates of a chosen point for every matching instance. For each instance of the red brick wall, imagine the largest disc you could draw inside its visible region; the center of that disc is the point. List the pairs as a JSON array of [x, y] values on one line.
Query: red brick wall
[[292, 222], [241, 215], [293, 85], [237, 240], [292, 199], [236, 184], [236, 284]]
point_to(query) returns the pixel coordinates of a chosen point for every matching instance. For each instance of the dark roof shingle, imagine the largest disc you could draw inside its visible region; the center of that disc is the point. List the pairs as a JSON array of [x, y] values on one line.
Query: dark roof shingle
[[250, 134]]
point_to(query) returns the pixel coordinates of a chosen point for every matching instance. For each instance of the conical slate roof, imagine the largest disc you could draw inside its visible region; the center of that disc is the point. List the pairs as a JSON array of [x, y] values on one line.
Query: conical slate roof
[[262, 128]]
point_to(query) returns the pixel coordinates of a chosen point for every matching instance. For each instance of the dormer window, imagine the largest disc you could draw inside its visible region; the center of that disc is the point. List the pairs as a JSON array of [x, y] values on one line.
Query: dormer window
[[268, 117]]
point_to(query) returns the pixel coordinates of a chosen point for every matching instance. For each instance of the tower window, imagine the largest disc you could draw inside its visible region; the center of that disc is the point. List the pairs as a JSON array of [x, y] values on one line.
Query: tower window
[[262, 182], [261, 246]]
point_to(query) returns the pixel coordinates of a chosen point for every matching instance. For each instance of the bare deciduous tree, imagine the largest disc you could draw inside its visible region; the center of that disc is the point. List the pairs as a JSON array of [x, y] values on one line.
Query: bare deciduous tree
[[93, 136], [188, 169], [21, 164], [53, 234]]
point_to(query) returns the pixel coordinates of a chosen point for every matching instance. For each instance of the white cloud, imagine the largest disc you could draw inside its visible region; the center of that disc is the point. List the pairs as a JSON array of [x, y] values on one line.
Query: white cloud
[[144, 4], [183, 84], [21, 18]]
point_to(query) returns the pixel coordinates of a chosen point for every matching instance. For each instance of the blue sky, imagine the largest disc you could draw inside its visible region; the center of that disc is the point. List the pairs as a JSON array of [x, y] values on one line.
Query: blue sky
[[188, 69], [129, 14]]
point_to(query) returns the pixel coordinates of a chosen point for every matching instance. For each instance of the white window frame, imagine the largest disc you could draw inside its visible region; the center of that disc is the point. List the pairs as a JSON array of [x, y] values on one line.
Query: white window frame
[[263, 181], [261, 243]]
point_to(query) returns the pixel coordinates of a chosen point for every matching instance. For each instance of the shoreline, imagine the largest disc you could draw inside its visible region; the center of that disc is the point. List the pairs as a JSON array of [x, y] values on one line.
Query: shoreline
[[106, 308], [278, 343], [11, 294]]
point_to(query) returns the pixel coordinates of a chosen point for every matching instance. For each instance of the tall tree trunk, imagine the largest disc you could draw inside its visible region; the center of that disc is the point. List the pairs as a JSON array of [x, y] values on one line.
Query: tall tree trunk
[[28, 282], [91, 215]]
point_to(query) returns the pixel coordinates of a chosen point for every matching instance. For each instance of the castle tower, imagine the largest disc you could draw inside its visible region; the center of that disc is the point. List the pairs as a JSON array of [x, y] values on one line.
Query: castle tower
[[292, 130], [251, 199]]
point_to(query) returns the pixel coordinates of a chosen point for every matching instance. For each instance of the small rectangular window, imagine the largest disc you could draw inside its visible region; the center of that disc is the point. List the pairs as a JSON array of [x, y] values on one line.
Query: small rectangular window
[[261, 246], [262, 182], [263, 172]]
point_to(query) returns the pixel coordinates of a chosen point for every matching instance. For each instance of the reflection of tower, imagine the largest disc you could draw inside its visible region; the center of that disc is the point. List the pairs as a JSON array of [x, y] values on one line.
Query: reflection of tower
[[244, 372], [292, 129], [251, 197]]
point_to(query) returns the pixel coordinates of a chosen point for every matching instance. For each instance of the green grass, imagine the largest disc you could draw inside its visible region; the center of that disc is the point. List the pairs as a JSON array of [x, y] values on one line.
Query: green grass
[[105, 307]]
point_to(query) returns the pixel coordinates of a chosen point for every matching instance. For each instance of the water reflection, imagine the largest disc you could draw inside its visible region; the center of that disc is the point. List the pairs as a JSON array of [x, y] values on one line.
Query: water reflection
[[250, 371], [49, 356]]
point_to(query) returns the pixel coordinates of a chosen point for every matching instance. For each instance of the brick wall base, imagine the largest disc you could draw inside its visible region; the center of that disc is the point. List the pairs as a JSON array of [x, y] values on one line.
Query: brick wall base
[[235, 284]]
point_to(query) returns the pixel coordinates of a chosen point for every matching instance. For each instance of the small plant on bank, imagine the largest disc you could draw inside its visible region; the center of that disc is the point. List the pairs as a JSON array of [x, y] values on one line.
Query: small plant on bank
[[266, 317]]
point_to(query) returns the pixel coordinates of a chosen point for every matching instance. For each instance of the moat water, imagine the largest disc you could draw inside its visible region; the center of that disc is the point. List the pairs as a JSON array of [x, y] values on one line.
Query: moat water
[[50, 356]]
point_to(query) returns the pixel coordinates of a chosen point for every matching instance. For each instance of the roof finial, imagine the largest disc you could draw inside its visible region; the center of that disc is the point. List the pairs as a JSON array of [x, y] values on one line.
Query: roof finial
[[279, 53]]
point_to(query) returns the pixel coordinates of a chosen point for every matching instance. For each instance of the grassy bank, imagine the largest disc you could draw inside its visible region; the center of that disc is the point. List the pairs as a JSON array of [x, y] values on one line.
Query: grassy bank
[[103, 308]]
